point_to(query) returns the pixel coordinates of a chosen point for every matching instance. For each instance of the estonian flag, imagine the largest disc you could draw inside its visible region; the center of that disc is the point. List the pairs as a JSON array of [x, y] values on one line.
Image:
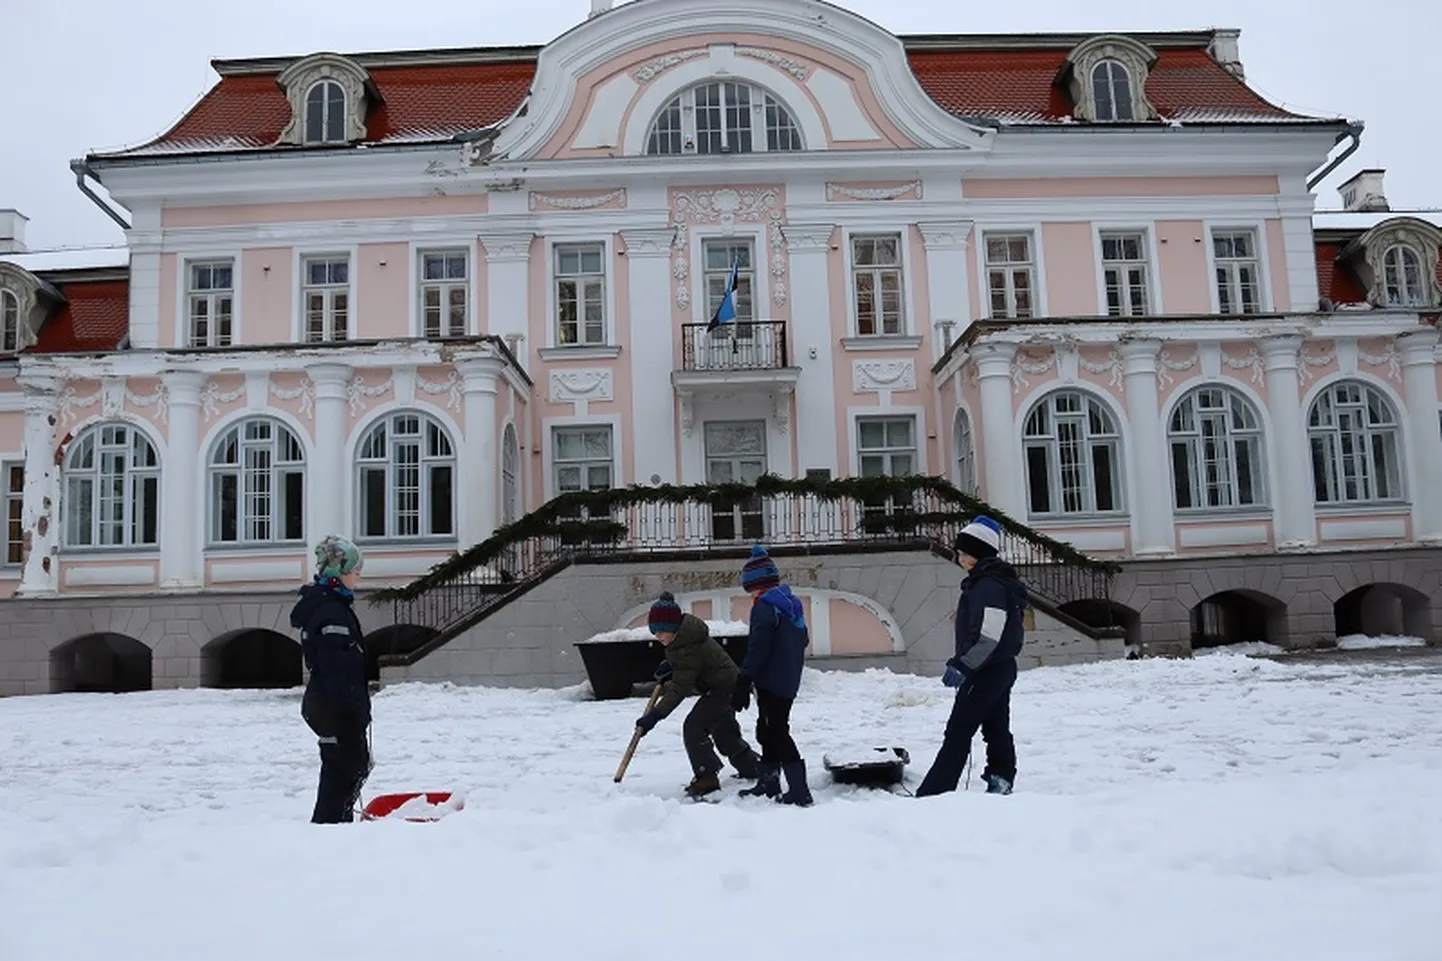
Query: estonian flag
[[726, 310]]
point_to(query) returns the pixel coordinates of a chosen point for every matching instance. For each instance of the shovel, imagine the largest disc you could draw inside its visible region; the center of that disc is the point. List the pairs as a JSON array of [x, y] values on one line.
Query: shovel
[[636, 735]]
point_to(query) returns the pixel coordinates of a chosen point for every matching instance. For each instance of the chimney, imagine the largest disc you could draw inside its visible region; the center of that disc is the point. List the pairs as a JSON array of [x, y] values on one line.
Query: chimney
[[12, 231], [599, 7], [1225, 50], [1364, 192]]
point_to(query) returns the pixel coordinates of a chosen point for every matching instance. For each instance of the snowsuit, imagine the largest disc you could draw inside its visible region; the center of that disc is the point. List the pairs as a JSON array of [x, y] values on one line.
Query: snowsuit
[[701, 666], [989, 636], [336, 704], [775, 652]]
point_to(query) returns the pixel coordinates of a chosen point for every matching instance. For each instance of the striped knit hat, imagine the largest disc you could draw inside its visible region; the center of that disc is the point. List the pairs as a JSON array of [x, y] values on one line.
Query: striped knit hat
[[665, 614], [981, 538], [759, 572]]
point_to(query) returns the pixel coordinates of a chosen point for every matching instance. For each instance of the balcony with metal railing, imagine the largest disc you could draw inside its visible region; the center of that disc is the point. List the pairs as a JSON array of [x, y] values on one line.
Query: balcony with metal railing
[[758, 345]]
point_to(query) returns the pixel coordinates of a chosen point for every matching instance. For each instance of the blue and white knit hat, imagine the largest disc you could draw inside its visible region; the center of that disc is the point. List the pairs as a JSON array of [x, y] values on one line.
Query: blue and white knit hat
[[759, 571], [981, 538]]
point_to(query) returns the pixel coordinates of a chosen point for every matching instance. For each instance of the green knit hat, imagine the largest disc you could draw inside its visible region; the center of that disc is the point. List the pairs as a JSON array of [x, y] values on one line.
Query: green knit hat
[[335, 556]]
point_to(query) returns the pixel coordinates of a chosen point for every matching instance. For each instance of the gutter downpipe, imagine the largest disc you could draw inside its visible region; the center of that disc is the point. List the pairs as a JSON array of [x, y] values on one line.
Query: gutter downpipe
[[81, 169], [1354, 131]]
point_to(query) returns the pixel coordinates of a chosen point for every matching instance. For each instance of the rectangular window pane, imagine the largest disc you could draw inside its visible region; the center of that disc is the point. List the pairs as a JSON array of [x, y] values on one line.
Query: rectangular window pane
[[373, 493], [292, 510], [441, 500]]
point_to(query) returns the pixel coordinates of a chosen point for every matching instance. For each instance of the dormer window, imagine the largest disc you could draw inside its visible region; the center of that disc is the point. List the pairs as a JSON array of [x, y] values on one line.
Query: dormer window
[[1107, 79], [25, 302], [9, 322], [1402, 277], [1397, 263], [325, 113], [330, 97], [723, 117], [1112, 91]]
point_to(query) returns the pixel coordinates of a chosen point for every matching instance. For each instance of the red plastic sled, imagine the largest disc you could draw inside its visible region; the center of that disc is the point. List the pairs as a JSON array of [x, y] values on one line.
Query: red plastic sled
[[418, 806]]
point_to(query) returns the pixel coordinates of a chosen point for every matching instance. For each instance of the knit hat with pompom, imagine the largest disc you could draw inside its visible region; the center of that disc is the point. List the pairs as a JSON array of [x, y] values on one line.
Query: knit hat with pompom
[[665, 614]]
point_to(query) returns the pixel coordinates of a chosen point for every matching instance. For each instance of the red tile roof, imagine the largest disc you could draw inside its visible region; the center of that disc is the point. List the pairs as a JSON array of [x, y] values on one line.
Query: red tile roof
[[95, 317], [1336, 281]]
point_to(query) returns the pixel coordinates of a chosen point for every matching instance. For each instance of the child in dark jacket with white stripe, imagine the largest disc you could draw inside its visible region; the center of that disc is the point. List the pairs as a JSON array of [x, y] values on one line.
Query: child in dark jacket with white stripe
[[775, 652]]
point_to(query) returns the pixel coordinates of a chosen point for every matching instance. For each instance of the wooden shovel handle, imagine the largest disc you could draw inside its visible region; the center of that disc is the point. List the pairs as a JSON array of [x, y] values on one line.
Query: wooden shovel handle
[[636, 735]]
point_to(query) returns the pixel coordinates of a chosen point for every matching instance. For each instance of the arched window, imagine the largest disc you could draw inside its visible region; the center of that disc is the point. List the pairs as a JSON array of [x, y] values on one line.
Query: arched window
[[1112, 91], [112, 489], [257, 485], [1216, 441], [325, 109], [1355, 445], [1073, 456], [406, 478], [723, 117], [963, 448], [9, 322], [1402, 269], [510, 458]]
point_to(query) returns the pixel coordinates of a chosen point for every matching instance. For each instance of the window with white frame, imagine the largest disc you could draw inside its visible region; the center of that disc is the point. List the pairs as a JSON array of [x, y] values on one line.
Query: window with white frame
[[1125, 273], [326, 296], [963, 447], [1073, 456], [580, 294], [112, 489], [723, 117], [211, 299], [510, 477], [1402, 277], [718, 255], [9, 322], [445, 291], [1010, 275], [1355, 441], [1239, 272], [257, 485], [406, 478], [886, 446], [877, 283], [581, 458], [14, 512], [1216, 441], [1112, 91], [325, 113]]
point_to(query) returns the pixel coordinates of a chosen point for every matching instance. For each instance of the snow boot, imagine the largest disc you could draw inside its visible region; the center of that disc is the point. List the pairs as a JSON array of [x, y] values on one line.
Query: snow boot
[[768, 782], [996, 784], [703, 784], [747, 764], [797, 790]]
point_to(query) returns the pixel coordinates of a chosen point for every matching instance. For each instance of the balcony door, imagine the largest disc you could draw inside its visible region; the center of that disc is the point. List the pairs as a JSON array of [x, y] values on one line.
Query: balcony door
[[736, 454]]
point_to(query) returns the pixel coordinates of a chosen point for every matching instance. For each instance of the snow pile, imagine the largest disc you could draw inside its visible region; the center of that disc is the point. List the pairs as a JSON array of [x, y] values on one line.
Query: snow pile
[[717, 629], [1245, 648], [1360, 642]]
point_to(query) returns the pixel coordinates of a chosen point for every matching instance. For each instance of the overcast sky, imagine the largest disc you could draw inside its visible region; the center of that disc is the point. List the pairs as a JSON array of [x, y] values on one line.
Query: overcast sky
[[82, 75]]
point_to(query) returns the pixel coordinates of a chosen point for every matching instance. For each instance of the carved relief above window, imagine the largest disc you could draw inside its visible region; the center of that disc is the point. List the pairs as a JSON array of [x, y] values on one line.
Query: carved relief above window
[[1107, 77], [330, 97], [1397, 263]]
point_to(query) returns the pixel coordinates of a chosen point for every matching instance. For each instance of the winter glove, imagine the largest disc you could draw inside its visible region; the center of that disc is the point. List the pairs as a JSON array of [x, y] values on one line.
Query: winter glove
[[664, 670], [647, 721], [954, 676], [741, 697]]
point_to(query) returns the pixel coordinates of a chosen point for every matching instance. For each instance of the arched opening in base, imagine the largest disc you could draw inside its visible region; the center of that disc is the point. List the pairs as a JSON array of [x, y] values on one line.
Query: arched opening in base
[[1239, 617], [100, 663], [396, 639], [1100, 614], [1384, 610], [251, 659]]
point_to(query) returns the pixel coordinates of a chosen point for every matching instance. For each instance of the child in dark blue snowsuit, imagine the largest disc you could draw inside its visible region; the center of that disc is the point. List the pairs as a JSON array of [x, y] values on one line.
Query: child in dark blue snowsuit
[[775, 651], [988, 639]]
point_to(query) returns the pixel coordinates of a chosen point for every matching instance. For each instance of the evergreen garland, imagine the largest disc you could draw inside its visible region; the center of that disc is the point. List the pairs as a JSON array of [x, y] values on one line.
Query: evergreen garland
[[560, 518]]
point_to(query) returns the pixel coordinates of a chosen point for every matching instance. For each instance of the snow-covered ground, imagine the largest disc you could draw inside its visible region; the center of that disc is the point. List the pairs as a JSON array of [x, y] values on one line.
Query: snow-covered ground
[[1220, 809]]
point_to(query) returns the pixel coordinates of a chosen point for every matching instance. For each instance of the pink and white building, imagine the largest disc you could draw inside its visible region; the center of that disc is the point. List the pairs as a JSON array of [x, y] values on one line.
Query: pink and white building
[[411, 296]]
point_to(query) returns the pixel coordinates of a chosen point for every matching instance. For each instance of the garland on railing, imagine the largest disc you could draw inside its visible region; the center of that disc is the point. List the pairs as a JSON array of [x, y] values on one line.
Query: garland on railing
[[558, 518]]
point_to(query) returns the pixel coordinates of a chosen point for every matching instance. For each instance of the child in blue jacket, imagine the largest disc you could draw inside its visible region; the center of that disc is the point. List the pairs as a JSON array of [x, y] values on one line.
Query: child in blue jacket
[[775, 651]]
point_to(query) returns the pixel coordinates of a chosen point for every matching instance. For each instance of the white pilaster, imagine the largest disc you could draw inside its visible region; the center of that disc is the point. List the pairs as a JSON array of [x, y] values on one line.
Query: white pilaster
[[1419, 384], [946, 280], [508, 284], [479, 463], [327, 511], [182, 524], [1153, 527], [1000, 441], [814, 337], [1294, 517], [653, 400], [40, 511]]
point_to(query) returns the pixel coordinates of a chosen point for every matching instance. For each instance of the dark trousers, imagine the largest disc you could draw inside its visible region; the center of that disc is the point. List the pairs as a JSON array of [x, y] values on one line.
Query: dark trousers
[[984, 701], [773, 728], [713, 720], [345, 763]]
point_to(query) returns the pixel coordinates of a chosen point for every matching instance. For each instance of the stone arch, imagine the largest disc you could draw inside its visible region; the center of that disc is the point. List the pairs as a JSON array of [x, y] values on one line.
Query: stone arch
[[1384, 609], [251, 658], [1238, 616], [1104, 614], [101, 662], [394, 639]]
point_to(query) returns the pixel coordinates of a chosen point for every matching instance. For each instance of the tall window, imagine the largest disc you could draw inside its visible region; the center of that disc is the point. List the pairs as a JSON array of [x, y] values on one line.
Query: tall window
[[9, 322], [1403, 281], [581, 294], [510, 481], [581, 458], [1011, 275], [112, 489], [211, 297], [723, 117], [876, 280], [14, 513], [1073, 456], [444, 292], [1216, 441], [1239, 273], [963, 447], [257, 485], [1355, 445], [325, 113], [1125, 273], [717, 257], [327, 298], [1112, 91], [407, 470]]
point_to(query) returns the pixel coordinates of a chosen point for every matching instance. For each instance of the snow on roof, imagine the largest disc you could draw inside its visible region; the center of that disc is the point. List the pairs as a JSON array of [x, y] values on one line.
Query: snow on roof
[[717, 629], [71, 258], [1367, 219]]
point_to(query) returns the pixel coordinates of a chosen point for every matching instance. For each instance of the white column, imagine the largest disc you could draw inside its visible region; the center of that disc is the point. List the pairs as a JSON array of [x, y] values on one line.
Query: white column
[[479, 463], [182, 520], [814, 336], [1000, 439], [40, 511], [327, 510], [653, 400], [1153, 529], [1294, 517], [946, 279], [508, 285], [1419, 384]]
